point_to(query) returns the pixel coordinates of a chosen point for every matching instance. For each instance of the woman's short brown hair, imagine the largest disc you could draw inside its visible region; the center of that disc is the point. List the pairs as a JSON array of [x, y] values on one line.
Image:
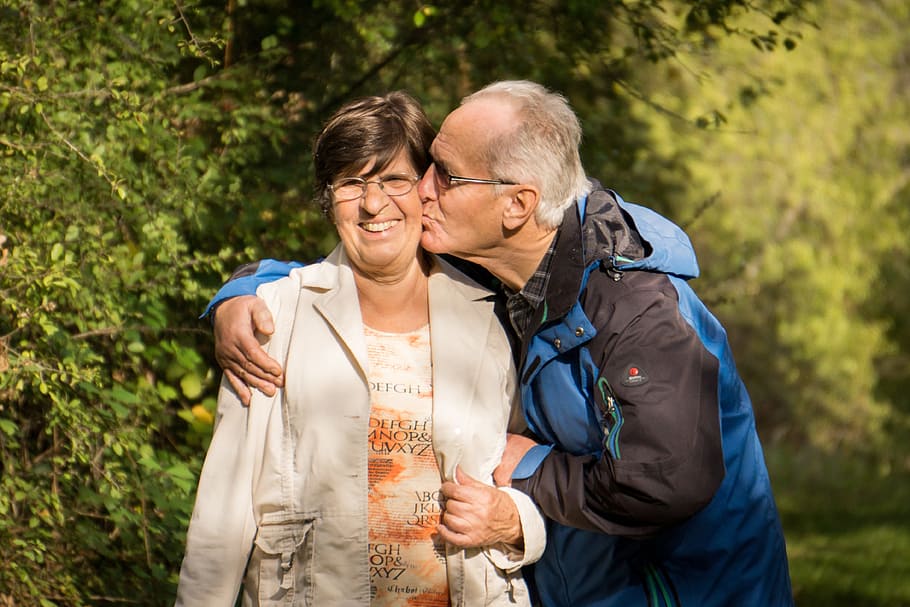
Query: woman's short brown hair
[[377, 127]]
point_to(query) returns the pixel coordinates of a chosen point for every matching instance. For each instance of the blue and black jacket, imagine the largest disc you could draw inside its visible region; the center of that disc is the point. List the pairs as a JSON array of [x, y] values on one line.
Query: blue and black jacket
[[650, 470]]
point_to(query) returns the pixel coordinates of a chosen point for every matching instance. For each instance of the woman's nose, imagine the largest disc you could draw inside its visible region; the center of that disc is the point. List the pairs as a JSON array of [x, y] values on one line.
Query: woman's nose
[[374, 199]]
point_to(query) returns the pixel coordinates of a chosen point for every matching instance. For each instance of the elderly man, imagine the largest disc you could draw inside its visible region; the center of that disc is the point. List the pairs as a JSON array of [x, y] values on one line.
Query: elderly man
[[644, 455]]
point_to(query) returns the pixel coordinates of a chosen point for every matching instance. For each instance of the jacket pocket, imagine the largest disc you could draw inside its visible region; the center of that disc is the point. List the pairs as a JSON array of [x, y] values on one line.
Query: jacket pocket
[[280, 567]]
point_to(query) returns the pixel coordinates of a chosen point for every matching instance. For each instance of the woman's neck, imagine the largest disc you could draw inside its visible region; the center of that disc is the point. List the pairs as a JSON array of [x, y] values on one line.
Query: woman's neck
[[396, 304]]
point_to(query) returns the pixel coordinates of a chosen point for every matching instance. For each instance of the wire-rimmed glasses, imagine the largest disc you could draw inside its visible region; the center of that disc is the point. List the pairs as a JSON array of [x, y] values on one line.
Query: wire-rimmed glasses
[[353, 188]]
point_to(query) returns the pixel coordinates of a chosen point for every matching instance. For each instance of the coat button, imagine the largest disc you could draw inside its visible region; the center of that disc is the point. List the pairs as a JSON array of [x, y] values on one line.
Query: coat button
[[579, 331], [557, 343]]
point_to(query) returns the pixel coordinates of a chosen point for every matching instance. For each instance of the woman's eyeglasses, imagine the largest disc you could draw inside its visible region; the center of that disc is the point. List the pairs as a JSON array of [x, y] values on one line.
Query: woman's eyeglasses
[[353, 188]]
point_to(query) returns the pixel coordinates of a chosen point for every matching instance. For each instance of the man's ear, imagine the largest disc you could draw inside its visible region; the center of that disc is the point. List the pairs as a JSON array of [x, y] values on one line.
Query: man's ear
[[521, 207]]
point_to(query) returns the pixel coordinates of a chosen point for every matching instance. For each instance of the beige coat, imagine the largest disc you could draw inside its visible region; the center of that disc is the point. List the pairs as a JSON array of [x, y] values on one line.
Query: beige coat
[[282, 499]]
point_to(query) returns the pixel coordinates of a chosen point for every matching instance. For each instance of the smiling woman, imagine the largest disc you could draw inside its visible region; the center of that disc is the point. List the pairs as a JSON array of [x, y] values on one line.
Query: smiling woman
[[397, 374], [380, 230]]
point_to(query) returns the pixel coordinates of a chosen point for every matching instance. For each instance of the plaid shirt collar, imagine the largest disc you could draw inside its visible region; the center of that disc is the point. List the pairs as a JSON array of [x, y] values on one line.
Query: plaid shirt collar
[[521, 304]]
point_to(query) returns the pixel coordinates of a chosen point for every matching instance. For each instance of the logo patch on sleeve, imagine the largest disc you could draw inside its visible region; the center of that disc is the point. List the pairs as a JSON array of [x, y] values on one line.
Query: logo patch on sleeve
[[634, 376]]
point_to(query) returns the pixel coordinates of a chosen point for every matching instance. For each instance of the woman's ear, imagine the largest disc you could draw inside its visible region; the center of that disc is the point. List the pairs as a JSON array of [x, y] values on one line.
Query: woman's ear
[[521, 207]]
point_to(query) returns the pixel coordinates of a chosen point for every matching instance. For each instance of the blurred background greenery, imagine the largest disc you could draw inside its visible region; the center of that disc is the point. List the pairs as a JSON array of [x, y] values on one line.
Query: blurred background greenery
[[148, 147]]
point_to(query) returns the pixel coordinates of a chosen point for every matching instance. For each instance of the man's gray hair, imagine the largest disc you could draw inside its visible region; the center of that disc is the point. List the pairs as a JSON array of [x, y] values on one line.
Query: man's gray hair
[[543, 148]]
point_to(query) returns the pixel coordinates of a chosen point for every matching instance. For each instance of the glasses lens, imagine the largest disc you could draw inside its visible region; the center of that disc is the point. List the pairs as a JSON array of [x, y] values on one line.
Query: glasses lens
[[396, 185], [348, 189], [442, 177]]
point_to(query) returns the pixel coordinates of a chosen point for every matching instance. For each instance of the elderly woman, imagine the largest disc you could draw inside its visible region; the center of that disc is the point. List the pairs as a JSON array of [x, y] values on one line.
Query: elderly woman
[[397, 374]]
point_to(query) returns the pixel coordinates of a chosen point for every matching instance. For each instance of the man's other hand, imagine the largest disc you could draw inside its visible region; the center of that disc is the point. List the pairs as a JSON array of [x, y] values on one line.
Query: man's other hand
[[517, 446]]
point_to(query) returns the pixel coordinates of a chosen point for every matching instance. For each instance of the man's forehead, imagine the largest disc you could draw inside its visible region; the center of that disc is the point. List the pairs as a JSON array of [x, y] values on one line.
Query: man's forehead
[[446, 148], [463, 131]]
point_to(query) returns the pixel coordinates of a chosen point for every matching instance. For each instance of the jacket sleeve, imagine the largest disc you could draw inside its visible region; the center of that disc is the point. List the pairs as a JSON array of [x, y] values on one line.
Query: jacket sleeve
[[247, 278], [222, 526], [663, 456], [511, 558]]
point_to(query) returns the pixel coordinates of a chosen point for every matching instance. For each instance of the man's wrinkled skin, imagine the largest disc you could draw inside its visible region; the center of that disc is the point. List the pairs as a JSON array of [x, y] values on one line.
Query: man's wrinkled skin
[[516, 448], [477, 515], [240, 354]]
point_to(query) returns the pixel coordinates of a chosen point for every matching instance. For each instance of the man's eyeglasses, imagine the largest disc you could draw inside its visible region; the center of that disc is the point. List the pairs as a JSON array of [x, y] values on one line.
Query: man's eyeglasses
[[446, 180], [352, 188]]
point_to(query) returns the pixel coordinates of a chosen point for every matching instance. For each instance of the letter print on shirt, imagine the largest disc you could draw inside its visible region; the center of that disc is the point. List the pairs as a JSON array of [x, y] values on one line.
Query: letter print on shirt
[[406, 567]]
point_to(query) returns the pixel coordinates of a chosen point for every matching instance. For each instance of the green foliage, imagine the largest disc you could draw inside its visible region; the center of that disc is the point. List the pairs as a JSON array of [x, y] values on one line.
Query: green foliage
[[99, 285], [845, 520], [804, 227]]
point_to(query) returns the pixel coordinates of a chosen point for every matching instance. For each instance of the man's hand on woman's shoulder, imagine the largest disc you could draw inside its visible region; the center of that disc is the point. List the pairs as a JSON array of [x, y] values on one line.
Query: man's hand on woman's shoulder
[[238, 350]]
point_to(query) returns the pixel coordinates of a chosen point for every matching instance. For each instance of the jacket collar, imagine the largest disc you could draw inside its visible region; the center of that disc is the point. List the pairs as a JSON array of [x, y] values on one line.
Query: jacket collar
[[462, 320], [335, 273], [604, 235]]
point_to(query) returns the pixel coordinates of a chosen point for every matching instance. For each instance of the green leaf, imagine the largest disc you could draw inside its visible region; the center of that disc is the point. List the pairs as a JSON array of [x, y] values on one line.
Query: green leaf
[[191, 385], [124, 396], [181, 470], [8, 427], [269, 42], [119, 410], [166, 392]]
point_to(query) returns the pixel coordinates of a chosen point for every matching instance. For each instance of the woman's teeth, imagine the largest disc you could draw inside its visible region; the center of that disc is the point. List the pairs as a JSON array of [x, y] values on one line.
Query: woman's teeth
[[378, 227]]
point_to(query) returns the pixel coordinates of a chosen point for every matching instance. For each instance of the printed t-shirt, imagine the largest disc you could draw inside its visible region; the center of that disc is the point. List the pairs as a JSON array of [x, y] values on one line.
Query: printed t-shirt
[[406, 566]]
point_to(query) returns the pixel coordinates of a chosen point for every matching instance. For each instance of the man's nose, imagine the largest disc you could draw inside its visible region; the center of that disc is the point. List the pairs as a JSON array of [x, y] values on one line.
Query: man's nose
[[426, 187]]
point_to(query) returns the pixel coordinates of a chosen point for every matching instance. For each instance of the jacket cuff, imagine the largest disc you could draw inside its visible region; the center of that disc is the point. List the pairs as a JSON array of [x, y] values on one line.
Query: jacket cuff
[[531, 461], [247, 278], [509, 558], [239, 286]]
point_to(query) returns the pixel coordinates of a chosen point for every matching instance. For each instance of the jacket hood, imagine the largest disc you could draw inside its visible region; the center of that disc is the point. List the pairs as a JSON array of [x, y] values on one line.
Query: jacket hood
[[640, 240]]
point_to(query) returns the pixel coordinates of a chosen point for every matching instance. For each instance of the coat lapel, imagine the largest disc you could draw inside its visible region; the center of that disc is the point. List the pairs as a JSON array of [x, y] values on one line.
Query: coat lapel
[[460, 310], [339, 305]]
